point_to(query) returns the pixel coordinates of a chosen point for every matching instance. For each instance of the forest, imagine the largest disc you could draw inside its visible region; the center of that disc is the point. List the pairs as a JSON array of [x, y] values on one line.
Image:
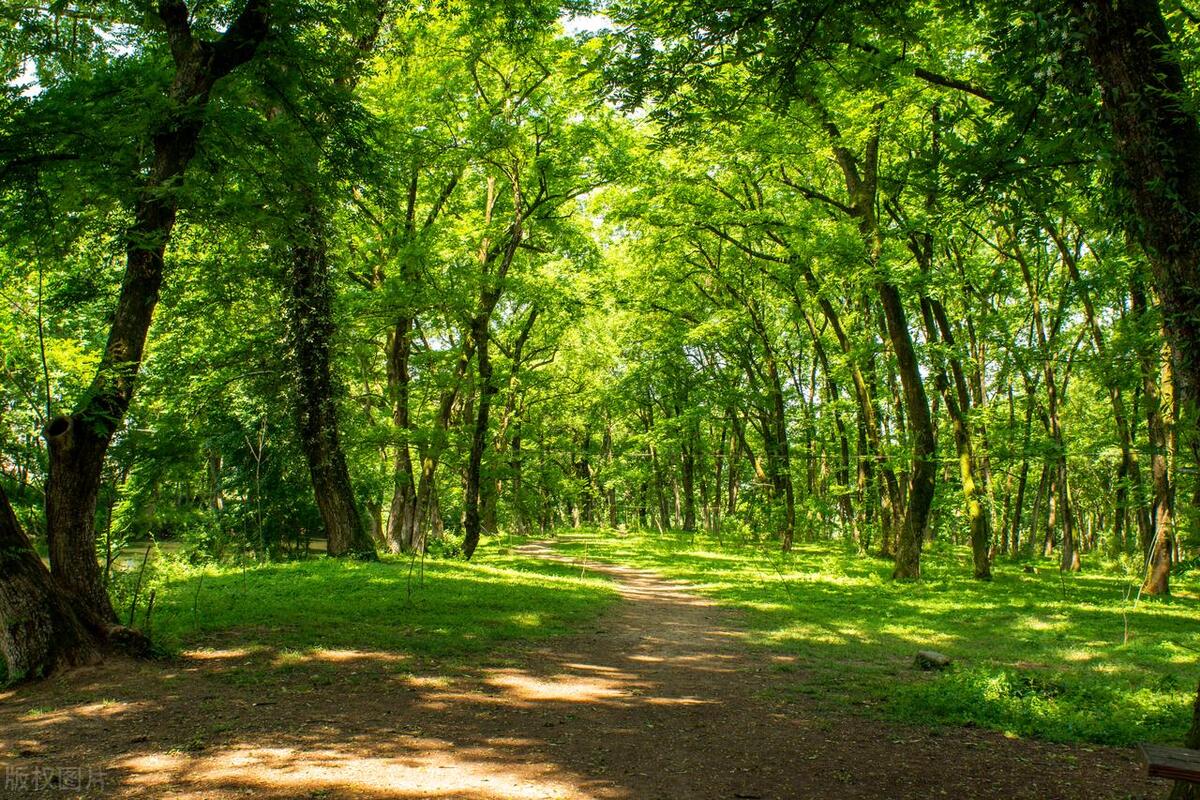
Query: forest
[[551, 368]]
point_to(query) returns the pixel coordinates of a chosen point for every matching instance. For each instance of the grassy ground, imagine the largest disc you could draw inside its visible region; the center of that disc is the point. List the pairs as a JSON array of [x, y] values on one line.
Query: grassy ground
[[453, 610], [1064, 658]]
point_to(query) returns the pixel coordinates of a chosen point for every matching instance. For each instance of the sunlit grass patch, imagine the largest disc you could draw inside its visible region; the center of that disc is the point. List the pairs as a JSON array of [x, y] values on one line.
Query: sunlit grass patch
[[329, 611]]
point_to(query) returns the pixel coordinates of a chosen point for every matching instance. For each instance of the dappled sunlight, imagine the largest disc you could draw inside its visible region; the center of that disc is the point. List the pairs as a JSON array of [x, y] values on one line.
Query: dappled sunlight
[[612, 671], [344, 657], [561, 688], [670, 660], [446, 771], [101, 710], [210, 654], [1035, 624], [681, 701], [827, 635]]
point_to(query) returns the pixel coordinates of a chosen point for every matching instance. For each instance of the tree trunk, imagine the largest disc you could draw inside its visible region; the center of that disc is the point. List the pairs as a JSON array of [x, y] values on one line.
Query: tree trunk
[[1070, 552], [481, 335], [1022, 482], [978, 520], [1158, 535], [782, 466], [921, 479], [1130, 471], [688, 466], [401, 526], [39, 630], [310, 334], [1158, 412]]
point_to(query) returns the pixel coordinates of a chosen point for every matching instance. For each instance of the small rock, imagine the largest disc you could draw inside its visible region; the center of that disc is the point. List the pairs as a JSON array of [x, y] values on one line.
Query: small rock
[[931, 659], [1030, 570]]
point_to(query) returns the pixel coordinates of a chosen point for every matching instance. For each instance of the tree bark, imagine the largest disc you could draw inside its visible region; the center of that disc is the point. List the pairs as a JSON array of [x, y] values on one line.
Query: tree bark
[[957, 397], [688, 472], [861, 176], [310, 334], [978, 519], [402, 512], [40, 632], [481, 336], [921, 478]]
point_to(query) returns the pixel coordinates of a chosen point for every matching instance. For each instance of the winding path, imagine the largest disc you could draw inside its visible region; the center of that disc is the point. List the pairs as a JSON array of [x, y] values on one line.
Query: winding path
[[661, 698]]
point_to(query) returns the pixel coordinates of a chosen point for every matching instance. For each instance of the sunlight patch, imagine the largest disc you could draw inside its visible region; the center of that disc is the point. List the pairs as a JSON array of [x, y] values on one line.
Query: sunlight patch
[[457, 773], [561, 688]]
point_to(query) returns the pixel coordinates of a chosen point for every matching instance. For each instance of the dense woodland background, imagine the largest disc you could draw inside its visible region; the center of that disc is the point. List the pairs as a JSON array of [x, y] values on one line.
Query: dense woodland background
[[391, 277]]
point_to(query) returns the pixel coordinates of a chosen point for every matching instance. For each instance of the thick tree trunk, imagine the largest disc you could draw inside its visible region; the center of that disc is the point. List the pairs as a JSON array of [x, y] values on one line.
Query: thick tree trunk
[[77, 452], [1158, 412], [1158, 536], [39, 630], [310, 330]]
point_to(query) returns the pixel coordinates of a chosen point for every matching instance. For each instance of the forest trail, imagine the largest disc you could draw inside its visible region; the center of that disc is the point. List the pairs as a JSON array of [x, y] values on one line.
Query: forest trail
[[661, 698]]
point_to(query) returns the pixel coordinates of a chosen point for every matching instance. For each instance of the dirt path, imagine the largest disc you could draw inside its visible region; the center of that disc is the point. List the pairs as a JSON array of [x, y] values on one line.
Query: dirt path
[[661, 699]]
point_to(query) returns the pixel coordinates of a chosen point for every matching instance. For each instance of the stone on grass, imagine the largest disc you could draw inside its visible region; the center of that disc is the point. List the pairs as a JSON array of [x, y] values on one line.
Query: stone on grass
[[931, 659]]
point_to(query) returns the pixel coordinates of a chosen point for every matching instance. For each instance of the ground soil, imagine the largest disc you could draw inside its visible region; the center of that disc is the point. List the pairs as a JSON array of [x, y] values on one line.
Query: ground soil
[[661, 698]]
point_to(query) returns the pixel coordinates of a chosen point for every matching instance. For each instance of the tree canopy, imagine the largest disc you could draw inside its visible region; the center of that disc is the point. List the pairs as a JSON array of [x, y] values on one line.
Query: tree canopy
[[396, 278]]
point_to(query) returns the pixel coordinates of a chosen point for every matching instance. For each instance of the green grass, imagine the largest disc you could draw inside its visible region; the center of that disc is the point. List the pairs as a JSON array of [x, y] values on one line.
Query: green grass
[[1038, 655], [300, 607]]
